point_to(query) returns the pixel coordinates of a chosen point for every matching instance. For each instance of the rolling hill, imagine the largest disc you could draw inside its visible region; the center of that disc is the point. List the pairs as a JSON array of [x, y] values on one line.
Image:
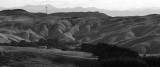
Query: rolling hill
[[140, 33]]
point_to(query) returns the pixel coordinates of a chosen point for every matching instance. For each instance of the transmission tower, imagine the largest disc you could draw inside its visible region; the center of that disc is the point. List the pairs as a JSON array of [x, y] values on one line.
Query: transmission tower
[[148, 11], [46, 7]]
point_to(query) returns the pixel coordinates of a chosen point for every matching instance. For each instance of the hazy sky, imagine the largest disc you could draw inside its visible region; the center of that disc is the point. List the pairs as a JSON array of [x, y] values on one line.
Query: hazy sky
[[104, 4]]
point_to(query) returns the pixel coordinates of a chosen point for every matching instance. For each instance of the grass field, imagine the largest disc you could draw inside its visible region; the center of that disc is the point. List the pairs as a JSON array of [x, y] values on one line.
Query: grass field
[[34, 57]]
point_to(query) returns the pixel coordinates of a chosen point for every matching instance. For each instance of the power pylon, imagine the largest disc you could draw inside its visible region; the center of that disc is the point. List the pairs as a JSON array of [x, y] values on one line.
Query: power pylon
[[46, 9]]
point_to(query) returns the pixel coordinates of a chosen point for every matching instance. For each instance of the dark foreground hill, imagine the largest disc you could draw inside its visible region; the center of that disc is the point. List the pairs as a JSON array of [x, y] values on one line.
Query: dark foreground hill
[[140, 33]]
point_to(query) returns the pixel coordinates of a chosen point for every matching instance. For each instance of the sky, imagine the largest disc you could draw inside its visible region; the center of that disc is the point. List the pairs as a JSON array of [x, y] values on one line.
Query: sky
[[101, 4]]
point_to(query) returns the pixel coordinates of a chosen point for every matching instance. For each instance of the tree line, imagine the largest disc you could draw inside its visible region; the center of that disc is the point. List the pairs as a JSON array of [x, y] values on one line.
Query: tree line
[[110, 55]]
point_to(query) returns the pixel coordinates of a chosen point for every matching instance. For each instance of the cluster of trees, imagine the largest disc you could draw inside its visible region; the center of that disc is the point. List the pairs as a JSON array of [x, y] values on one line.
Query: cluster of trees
[[86, 47], [107, 50], [113, 56]]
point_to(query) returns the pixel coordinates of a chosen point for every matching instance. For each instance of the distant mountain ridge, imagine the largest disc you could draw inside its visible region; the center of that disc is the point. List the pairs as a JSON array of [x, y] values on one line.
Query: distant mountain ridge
[[22, 12], [52, 9]]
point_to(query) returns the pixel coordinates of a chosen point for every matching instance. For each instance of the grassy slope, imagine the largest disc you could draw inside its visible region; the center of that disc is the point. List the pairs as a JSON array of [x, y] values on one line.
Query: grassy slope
[[32, 57]]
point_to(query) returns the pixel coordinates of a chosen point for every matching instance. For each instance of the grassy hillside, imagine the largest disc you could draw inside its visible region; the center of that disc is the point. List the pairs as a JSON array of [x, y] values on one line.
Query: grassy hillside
[[79, 27], [33, 57]]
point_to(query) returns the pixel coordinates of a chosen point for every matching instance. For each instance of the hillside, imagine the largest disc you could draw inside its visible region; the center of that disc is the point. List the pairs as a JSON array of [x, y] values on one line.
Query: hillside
[[33, 57], [140, 33]]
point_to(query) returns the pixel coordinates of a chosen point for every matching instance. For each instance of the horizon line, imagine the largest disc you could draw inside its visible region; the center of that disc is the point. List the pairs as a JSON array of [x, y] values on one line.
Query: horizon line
[[131, 9]]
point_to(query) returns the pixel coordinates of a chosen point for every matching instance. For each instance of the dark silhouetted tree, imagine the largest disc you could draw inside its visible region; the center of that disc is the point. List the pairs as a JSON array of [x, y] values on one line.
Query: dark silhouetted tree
[[23, 43], [42, 42], [86, 47], [14, 43]]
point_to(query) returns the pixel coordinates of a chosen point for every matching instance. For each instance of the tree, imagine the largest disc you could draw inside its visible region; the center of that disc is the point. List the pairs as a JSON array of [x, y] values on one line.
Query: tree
[[14, 43], [86, 47], [50, 42], [23, 43], [42, 42]]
